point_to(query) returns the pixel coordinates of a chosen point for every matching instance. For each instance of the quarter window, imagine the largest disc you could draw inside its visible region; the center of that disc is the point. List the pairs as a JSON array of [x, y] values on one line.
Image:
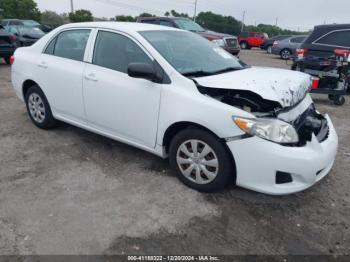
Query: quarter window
[[338, 38], [69, 44], [297, 39], [116, 52]]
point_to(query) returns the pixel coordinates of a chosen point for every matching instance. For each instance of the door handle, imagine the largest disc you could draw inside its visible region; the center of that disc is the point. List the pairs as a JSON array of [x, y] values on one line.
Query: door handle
[[91, 77], [43, 65]]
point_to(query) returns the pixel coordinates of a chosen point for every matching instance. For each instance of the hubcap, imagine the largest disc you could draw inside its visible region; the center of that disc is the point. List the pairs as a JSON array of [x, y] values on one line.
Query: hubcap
[[285, 54], [36, 108], [197, 161]]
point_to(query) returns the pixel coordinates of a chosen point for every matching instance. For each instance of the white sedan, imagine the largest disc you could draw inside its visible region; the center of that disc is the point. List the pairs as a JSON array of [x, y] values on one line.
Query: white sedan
[[177, 95]]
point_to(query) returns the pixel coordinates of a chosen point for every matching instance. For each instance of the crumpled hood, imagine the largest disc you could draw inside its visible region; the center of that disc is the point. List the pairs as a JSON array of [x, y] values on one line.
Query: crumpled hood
[[283, 86]]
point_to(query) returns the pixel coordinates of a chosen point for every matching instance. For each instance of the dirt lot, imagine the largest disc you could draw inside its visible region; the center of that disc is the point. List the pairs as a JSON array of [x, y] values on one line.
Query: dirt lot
[[68, 191]]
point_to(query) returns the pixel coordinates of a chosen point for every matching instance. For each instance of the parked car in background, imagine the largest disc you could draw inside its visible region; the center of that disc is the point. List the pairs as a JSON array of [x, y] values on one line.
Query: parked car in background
[[322, 42], [227, 42], [247, 40], [25, 36], [287, 47], [269, 43], [174, 94], [26, 23], [7, 44]]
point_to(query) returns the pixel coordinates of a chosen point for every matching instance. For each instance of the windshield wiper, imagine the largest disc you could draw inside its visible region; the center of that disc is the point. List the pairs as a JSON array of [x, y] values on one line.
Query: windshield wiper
[[197, 73], [228, 69]]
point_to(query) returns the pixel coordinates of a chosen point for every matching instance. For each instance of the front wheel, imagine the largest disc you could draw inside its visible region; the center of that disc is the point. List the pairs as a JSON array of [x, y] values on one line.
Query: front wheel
[[38, 108], [201, 161]]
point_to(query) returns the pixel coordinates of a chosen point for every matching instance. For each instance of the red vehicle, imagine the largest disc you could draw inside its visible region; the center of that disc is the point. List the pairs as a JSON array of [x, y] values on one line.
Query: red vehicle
[[247, 40]]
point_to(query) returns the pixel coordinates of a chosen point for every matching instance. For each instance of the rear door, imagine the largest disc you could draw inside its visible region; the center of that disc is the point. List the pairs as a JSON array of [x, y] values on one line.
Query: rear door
[[61, 69]]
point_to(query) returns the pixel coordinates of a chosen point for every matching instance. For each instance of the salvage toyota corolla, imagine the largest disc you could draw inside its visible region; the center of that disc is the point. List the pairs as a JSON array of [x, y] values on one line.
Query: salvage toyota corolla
[[177, 95]]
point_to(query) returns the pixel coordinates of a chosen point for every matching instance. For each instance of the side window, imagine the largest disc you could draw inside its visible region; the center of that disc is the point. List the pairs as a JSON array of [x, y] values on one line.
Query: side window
[[70, 44], [51, 47], [339, 38], [116, 52], [166, 23], [297, 39]]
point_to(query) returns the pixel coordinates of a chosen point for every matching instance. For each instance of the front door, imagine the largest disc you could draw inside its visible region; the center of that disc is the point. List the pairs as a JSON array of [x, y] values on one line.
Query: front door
[[116, 103]]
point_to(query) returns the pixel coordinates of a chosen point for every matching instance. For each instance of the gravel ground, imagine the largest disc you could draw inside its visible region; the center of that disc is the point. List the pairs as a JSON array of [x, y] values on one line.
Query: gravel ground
[[68, 191]]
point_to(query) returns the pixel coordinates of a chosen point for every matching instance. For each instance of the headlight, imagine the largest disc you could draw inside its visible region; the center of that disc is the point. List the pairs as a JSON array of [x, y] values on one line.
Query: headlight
[[270, 129], [219, 42]]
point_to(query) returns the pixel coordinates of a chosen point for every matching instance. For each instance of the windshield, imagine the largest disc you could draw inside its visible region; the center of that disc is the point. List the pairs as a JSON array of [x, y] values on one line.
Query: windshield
[[30, 23], [32, 32], [191, 54], [188, 25]]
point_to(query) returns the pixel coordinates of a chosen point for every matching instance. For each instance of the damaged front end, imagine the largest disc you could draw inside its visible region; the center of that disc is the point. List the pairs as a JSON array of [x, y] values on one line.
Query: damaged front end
[[302, 115]]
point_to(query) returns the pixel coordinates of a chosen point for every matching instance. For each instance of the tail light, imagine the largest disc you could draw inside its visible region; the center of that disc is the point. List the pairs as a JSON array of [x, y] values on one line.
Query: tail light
[[301, 52], [12, 60], [315, 83], [341, 52], [275, 43], [13, 38]]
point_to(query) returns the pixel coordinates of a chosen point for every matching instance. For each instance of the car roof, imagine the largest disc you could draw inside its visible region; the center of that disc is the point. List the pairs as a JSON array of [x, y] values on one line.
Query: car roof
[[163, 17], [123, 26], [321, 30]]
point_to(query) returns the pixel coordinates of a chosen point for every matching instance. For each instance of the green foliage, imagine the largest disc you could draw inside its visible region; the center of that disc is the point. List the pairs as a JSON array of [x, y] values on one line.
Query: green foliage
[[53, 19], [176, 14], [125, 18], [272, 30], [146, 15], [20, 9], [81, 16], [219, 23]]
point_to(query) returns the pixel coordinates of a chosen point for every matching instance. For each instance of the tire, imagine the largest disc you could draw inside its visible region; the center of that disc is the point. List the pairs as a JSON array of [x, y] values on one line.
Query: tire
[[269, 49], [7, 60], [339, 100], [38, 108], [285, 54], [193, 170], [244, 45]]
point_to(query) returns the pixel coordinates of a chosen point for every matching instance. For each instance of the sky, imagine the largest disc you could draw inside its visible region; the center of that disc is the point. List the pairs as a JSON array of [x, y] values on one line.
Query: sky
[[298, 15]]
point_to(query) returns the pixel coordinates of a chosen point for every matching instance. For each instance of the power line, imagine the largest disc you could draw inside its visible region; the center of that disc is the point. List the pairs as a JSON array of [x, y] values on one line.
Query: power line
[[128, 6]]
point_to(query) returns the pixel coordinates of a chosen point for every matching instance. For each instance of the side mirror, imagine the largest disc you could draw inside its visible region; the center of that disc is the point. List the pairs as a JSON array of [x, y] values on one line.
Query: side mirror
[[146, 71]]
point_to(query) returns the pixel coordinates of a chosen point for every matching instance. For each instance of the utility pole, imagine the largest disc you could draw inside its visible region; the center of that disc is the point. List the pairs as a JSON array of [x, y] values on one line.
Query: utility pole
[[71, 6], [195, 10], [242, 29], [276, 23]]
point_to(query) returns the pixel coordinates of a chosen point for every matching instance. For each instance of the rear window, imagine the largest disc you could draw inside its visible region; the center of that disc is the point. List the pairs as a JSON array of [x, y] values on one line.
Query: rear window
[[150, 21], [69, 44], [337, 38], [298, 39]]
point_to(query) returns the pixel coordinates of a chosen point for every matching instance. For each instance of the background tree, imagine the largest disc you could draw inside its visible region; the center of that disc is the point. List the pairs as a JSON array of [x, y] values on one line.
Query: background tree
[[176, 14], [125, 18], [20, 9], [167, 13], [146, 15], [81, 16], [53, 19], [219, 23]]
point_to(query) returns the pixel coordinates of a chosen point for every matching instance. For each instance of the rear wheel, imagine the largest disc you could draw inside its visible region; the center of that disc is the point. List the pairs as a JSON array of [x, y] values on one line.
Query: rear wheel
[[200, 160], [38, 108], [269, 49], [285, 54], [339, 100]]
